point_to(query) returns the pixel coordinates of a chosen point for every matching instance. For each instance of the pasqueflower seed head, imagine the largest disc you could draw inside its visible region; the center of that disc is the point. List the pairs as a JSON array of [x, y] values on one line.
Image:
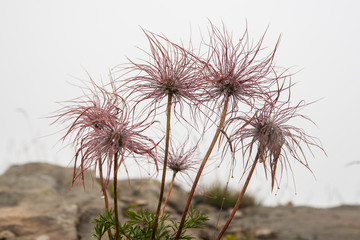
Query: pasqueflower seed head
[[275, 141], [171, 70], [104, 129], [181, 158], [239, 70]]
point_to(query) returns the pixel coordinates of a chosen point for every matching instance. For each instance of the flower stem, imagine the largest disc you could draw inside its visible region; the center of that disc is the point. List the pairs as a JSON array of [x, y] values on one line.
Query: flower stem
[[104, 191], [117, 223], [167, 140], [212, 145], [168, 194], [239, 198]]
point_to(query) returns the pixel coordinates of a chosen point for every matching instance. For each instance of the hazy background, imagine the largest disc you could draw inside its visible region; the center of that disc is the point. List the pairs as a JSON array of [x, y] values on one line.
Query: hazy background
[[45, 45]]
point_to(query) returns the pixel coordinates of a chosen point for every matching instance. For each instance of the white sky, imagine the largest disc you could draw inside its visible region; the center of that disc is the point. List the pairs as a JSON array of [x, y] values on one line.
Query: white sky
[[45, 44]]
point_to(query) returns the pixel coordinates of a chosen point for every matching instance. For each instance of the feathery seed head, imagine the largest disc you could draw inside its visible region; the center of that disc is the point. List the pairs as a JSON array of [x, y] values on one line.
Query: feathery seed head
[[237, 71], [181, 158], [171, 70], [104, 128], [273, 139]]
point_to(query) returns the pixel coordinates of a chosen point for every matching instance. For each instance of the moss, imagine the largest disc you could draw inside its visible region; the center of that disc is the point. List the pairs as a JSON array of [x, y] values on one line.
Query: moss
[[132, 205], [219, 197], [230, 237]]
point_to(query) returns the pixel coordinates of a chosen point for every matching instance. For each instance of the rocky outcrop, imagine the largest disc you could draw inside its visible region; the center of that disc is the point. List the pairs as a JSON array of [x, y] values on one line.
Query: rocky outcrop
[[37, 203]]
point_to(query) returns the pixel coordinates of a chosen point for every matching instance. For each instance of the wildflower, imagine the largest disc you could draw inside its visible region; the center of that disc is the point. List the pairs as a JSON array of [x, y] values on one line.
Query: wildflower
[[236, 72], [273, 138], [170, 74], [275, 141], [171, 70], [180, 160], [104, 128]]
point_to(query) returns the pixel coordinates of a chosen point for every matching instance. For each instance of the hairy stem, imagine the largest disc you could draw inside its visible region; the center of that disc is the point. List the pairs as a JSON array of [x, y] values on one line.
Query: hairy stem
[[167, 140], [168, 194], [239, 198], [106, 200], [212, 145], [117, 223]]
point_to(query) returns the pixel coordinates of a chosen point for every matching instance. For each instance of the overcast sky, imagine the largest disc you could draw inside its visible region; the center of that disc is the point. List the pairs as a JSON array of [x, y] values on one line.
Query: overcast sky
[[45, 45]]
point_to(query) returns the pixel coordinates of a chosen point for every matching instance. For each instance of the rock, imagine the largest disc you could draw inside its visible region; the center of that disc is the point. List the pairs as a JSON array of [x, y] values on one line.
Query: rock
[[178, 199], [206, 209], [43, 237], [142, 202], [239, 214], [139, 189], [38, 203], [7, 235], [265, 233], [134, 201]]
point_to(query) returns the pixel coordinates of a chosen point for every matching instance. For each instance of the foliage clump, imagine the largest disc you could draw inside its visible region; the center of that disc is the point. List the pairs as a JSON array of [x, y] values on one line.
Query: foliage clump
[[222, 197], [140, 225]]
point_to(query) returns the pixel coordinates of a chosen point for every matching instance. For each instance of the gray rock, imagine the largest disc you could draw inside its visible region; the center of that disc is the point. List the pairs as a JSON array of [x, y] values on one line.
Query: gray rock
[[38, 203], [7, 235], [265, 233]]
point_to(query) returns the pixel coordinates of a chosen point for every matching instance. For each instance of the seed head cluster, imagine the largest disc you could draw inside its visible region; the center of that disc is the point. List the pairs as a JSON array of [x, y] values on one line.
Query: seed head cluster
[[104, 129], [238, 72]]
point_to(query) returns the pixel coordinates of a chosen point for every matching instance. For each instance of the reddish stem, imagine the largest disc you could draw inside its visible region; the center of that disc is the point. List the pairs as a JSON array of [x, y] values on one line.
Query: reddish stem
[[165, 165], [168, 194], [239, 198], [191, 194], [104, 191], [117, 223]]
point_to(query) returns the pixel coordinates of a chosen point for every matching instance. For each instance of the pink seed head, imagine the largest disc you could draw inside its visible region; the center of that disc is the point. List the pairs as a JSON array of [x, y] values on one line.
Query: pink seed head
[[170, 70], [275, 141], [238, 70], [103, 127]]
